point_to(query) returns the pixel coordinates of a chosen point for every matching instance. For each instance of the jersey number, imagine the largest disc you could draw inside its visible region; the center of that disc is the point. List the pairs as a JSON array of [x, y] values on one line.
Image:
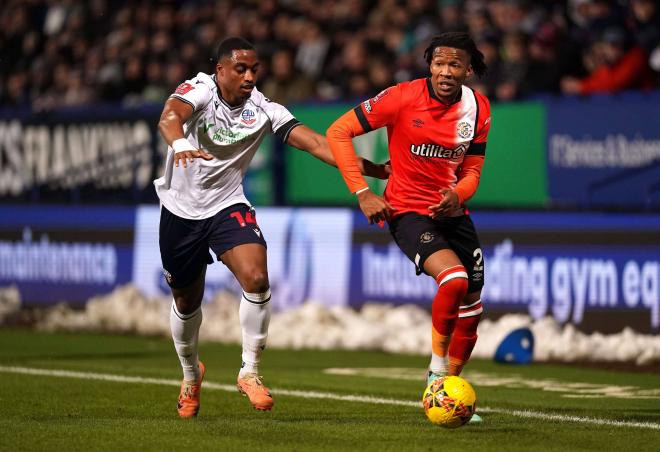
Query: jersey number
[[249, 218]]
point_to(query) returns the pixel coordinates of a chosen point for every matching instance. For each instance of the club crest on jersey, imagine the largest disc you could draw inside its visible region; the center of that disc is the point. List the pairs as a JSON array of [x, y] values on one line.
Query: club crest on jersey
[[464, 129], [248, 117]]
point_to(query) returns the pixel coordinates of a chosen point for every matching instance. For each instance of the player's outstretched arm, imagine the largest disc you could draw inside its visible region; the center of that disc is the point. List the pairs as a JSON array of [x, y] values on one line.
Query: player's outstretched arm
[[304, 138], [172, 119], [340, 135]]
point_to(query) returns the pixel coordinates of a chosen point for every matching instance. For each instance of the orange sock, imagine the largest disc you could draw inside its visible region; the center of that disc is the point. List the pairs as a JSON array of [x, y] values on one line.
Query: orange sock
[[452, 288]]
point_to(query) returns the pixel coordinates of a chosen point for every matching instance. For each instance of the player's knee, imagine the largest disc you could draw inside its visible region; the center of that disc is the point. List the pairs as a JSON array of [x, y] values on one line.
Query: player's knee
[[256, 281], [187, 304], [455, 276], [187, 300]]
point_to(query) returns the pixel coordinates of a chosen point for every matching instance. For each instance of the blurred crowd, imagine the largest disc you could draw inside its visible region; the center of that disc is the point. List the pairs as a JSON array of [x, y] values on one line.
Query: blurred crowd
[[60, 53]]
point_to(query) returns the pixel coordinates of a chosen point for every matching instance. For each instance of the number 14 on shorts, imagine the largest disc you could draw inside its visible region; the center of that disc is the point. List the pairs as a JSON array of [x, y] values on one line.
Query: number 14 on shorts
[[249, 218]]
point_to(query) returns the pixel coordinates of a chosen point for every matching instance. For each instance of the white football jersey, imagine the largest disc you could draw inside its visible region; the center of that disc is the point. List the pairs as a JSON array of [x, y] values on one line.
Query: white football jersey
[[231, 134]]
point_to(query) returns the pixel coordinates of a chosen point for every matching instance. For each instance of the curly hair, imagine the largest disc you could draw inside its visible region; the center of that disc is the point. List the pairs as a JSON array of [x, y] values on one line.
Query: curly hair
[[458, 40]]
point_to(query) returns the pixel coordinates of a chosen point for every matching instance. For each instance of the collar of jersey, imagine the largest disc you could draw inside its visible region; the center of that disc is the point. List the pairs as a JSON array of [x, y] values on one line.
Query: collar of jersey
[[429, 85], [217, 90]]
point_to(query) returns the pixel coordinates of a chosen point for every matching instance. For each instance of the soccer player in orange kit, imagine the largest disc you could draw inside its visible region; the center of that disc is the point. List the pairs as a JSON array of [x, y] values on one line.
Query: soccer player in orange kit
[[437, 130]]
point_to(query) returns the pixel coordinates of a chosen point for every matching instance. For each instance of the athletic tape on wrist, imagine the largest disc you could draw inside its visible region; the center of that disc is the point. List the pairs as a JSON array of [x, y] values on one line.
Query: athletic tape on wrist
[[182, 144]]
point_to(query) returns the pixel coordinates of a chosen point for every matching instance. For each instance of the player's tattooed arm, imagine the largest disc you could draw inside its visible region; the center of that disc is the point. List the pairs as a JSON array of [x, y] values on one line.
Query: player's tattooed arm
[[174, 115], [304, 138]]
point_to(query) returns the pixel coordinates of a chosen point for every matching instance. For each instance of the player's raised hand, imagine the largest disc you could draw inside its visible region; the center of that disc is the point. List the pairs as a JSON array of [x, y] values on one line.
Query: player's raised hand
[[374, 207], [184, 156], [447, 205]]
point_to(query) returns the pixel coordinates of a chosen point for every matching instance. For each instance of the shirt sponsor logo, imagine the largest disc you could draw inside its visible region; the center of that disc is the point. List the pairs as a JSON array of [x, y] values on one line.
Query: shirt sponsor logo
[[437, 151], [248, 117], [184, 88]]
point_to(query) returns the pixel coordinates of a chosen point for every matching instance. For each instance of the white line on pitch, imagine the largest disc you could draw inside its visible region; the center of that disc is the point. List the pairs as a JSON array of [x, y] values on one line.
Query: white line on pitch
[[322, 395]]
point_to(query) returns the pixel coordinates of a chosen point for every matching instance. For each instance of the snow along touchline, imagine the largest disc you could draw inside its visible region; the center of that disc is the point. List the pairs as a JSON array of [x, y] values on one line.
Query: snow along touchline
[[321, 395]]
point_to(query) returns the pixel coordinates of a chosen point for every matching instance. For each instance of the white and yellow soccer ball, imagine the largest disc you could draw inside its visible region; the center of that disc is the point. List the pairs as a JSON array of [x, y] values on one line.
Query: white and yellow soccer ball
[[449, 402]]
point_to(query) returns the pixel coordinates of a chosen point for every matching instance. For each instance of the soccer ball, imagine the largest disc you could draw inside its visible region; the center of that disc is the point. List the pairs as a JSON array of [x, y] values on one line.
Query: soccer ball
[[449, 402]]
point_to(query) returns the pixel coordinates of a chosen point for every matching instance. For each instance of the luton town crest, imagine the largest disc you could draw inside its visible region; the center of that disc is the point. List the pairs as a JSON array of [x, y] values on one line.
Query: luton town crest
[[464, 129]]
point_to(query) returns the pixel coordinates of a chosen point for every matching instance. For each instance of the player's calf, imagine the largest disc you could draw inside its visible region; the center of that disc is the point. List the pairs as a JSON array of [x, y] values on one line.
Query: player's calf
[[464, 337], [452, 287]]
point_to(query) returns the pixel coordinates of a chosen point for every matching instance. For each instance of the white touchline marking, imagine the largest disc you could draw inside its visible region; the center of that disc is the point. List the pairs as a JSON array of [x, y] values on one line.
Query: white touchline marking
[[321, 395]]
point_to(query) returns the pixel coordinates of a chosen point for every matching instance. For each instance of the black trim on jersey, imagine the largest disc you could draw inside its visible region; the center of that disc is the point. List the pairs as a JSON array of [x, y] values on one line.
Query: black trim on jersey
[[177, 97], [429, 85], [476, 149], [362, 118], [284, 130]]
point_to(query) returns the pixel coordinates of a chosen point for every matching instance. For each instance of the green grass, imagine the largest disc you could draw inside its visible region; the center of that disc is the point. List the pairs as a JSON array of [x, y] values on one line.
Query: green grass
[[56, 413]]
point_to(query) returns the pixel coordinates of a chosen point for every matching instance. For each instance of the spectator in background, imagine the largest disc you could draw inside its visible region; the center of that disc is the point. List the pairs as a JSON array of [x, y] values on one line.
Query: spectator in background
[[645, 25], [155, 90], [489, 46], [285, 85], [312, 51], [545, 72], [614, 67], [102, 40], [514, 68]]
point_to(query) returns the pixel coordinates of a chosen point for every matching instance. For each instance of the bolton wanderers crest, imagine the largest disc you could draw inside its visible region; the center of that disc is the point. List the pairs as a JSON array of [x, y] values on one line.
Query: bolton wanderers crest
[[248, 117]]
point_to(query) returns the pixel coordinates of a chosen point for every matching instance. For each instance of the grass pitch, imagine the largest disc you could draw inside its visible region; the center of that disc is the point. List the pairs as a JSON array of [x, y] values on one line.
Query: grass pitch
[[100, 392]]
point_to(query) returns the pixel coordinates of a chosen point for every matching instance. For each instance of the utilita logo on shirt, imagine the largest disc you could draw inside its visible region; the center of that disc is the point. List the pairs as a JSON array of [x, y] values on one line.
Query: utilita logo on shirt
[[436, 151]]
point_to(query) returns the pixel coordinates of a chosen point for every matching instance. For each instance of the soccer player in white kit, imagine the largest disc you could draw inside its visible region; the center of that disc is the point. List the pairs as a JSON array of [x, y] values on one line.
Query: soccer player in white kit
[[214, 125]]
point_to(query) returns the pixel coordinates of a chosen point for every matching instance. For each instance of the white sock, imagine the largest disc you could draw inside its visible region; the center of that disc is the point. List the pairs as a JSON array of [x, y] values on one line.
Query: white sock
[[439, 364], [254, 313], [185, 331]]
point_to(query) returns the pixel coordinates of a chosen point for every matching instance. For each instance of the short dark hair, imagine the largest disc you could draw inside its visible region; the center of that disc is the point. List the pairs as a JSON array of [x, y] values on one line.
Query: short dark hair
[[228, 45], [458, 40]]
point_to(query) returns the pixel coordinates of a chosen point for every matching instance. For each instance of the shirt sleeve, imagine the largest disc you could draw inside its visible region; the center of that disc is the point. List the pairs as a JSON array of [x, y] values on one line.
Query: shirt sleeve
[[282, 122], [193, 92], [478, 144], [339, 136], [381, 110]]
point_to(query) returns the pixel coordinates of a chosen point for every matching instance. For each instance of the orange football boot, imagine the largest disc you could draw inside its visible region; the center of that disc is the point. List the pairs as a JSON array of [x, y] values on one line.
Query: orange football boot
[[188, 405], [252, 387]]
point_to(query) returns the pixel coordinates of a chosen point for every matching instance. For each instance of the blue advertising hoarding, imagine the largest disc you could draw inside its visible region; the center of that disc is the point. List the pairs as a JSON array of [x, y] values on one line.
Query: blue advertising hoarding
[[605, 151], [596, 271], [54, 253], [574, 267]]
